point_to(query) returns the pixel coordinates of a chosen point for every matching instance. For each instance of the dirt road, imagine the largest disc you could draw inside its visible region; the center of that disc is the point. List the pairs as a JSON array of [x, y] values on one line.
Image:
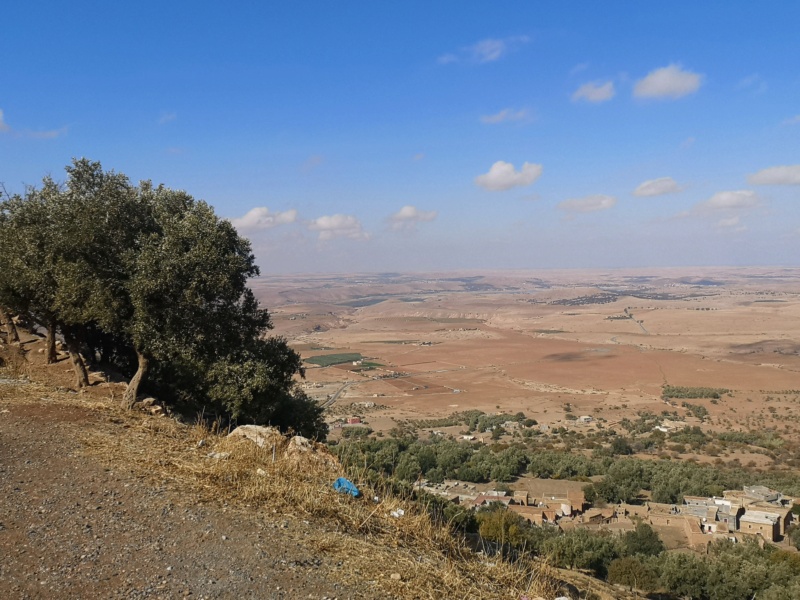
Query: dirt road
[[72, 527]]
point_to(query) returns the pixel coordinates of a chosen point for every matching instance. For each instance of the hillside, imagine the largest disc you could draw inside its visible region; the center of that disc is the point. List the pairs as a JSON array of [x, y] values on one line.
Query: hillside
[[109, 503]]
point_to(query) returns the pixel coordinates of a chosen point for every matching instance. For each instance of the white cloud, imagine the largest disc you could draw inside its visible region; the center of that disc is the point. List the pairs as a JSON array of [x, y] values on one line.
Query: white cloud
[[407, 218], [335, 226], [502, 176], [167, 117], [688, 142], [657, 187], [795, 120], [505, 116], [731, 224], [595, 92], [260, 218], [782, 175], [3, 125], [484, 51], [734, 200], [588, 203], [668, 82], [418, 156]]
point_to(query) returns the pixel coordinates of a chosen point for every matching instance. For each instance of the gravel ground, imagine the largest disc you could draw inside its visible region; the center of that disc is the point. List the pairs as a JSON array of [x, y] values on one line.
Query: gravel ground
[[70, 527]]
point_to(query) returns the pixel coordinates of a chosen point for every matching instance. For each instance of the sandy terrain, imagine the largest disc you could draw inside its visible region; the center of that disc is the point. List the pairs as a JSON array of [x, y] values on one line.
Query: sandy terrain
[[604, 342]]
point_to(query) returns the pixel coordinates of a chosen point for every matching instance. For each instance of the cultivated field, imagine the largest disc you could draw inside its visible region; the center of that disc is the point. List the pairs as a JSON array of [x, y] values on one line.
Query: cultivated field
[[552, 344]]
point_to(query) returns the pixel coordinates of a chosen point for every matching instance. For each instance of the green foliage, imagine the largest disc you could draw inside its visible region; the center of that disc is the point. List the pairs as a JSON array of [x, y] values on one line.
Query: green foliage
[[685, 575], [752, 438], [327, 360], [621, 446], [150, 272], [356, 432], [499, 525], [475, 420], [583, 549], [634, 573], [689, 435], [794, 537], [701, 412], [642, 541], [678, 391]]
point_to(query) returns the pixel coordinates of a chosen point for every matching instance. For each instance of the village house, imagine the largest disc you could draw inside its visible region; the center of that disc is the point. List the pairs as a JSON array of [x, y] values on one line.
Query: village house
[[486, 499], [765, 524], [534, 515]]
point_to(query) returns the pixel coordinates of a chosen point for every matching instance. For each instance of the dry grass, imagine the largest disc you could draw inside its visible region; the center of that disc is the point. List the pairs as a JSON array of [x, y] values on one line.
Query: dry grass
[[361, 533]]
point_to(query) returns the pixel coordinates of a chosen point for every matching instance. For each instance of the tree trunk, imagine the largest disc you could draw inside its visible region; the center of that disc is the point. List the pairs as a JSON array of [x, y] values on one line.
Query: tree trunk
[[129, 397], [50, 353], [11, 329], [81, 374]]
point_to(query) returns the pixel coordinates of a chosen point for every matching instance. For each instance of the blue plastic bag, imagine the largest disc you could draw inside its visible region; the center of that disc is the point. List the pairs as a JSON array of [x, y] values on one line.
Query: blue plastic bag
[[345, 486]]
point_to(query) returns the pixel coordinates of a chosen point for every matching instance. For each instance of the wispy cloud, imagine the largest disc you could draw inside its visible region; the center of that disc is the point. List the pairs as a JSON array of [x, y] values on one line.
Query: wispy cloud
[[668, 82], [408, 217], [732, 200], [781, 175], [49, 134], [502, 176], [338, 226], [579, 68], [792, 121], [506, 115], [587, 203], [45, 134], [753, 83], [688, 142], [167, 117], [657, 187], [418, 156], [724, 210], [260, 218], [595, 92], [484, 51]]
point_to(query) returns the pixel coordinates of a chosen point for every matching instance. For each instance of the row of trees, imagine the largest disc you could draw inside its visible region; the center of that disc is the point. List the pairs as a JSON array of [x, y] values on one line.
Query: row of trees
[[150, 281], [406, 458]]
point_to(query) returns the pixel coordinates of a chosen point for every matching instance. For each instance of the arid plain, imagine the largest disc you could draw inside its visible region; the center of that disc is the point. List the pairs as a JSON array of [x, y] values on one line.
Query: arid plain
[[552, 344]]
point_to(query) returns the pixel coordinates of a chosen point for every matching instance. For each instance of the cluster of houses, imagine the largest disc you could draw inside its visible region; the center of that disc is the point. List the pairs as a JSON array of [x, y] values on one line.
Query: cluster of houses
[[754, 511], [541, 509]]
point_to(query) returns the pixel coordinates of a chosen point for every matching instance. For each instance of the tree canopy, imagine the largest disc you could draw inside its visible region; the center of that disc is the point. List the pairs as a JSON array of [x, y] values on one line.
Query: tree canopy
[[153, 282]]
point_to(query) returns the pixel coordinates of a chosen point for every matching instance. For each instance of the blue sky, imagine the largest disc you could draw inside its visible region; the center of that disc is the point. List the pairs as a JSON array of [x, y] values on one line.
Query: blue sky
[[375, 136]]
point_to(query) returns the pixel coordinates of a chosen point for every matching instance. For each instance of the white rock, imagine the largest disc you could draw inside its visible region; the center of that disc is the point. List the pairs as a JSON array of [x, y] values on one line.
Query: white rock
[[259, 435], [300, 444]]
